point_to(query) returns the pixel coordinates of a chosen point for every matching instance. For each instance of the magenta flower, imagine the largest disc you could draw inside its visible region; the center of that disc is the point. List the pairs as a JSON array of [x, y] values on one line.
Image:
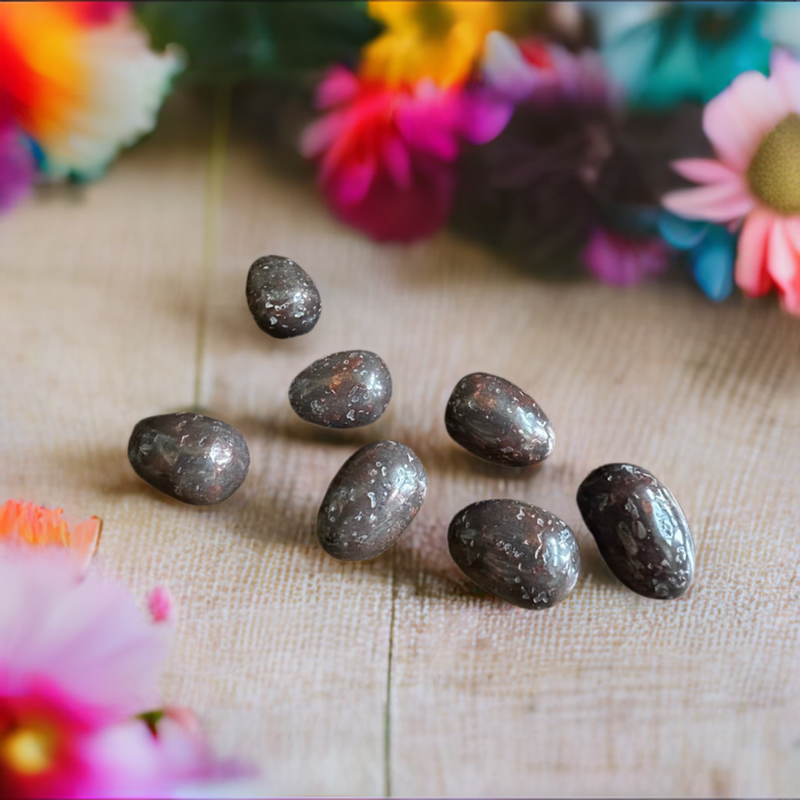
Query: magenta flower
[[622, 261], [754, 127], [17, 166], [78, 661], [386, 153]]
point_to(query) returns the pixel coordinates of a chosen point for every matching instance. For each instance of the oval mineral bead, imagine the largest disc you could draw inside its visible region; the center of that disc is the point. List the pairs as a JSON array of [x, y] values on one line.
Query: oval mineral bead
[[498, 422], [371, 501], [190, 457], [282, 298], [640, 530], [344, 390], [515, 551]]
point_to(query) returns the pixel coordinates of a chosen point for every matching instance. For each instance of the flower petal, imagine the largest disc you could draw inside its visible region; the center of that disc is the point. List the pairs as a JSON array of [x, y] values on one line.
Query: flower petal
[[718, 202], [16, 167], [737, 119], [320, 134], [703, 170], [712, 264], [398, 161], [483, 116], [681, 233], [86, 635], [786, 74], [783, 260], [349, 183], [751, 256], [338, 86], [505, 70]]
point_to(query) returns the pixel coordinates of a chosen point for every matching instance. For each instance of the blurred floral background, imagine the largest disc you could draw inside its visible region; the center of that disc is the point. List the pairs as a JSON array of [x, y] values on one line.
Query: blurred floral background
[[614, 139]]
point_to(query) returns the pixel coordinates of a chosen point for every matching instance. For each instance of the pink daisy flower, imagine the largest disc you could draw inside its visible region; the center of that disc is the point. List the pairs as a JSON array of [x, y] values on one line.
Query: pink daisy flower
[[754, 127], [78, 661], [387, 153]]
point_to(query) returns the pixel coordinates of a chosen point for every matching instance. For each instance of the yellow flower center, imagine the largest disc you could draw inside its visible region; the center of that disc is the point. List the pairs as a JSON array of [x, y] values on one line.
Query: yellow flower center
[[28, 751], [774, 172]]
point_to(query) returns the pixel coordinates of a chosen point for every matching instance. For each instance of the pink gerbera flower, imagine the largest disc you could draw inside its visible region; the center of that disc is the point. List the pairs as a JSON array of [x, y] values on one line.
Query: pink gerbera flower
[[78, 663], [387, 153], [754, 127]]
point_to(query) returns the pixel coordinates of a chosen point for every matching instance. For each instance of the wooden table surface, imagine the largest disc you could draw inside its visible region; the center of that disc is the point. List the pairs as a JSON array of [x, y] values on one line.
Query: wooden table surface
[[126, 299]]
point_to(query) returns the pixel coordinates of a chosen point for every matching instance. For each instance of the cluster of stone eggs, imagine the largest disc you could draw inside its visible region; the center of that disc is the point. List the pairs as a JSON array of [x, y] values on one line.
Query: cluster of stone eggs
[[518, 552]]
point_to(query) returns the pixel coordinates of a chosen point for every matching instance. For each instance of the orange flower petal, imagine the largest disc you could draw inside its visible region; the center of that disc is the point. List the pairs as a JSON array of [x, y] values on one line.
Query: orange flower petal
[[37, 526]]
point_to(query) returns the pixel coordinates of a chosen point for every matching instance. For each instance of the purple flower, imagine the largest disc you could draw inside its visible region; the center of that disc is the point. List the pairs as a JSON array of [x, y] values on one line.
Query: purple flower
[[17, 166]]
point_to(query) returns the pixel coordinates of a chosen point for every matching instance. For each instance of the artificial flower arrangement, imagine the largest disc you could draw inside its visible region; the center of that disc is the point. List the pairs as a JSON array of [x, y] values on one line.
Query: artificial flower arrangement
[[545, 129], [80, 715]]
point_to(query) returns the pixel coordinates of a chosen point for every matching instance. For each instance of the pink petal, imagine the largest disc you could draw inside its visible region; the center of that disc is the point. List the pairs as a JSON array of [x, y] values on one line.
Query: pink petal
[[786, 74], [160, 605], [782, 258], [389, 213], [348, 184], [398, 161], [88, 635], [423, 134], [717, 202], [338, 86], [428, 120], [505, 70], [790, 302], [703, 170], [737, 119], [751, 254], [320, 134], [483, 116]]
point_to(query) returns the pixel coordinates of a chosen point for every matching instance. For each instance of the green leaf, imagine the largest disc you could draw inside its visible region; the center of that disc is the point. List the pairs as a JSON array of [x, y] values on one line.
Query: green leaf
[[228, 42]]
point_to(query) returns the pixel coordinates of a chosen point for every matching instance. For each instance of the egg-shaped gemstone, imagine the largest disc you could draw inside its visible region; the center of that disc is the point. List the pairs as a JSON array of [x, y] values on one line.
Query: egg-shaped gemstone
[[344, 390], [282, 298], [498, 422], [371, 501], [640, 530], [190, 457], [515, 551]]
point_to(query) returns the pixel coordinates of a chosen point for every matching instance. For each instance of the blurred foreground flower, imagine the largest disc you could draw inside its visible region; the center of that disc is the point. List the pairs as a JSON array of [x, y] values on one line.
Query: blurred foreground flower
[[37, 526], [79, 80], [78, 662], [386, 154], [754, 127], [666, 52]]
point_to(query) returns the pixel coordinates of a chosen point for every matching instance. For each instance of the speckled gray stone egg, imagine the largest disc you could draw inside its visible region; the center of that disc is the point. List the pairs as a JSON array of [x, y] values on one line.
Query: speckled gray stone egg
[[282, 298], [515, 551], [371, 501], [640, 530], [498, 422], [344, 390], [193, 458]]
